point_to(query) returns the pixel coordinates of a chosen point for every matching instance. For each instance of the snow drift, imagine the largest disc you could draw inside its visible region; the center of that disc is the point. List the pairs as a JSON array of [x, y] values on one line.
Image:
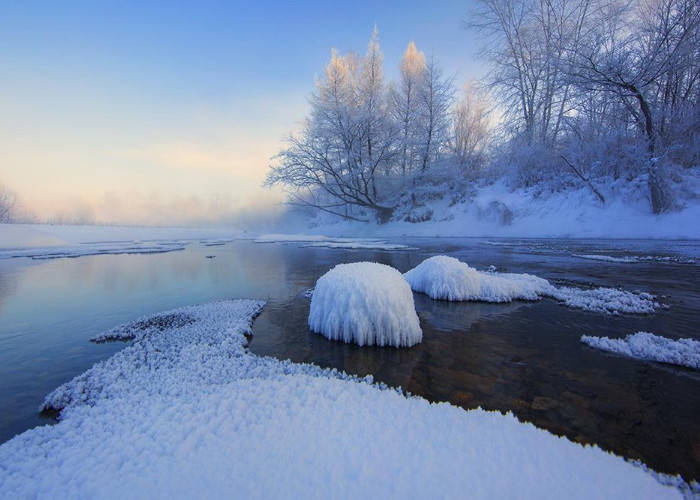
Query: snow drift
[[365, 303], [188, 412], [446, 278], [650, 347]]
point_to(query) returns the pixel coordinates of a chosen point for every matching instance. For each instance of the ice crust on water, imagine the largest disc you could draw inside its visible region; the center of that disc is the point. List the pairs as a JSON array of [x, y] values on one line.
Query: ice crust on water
[[328, 242], [447, 278], [188, 412], [650, 347], [627, 259], [117, 248], [365, 303]]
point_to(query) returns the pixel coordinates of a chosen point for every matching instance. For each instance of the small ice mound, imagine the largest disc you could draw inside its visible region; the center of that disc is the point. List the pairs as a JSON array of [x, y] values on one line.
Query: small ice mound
[[447, 278], [650, 347], [365, 303]]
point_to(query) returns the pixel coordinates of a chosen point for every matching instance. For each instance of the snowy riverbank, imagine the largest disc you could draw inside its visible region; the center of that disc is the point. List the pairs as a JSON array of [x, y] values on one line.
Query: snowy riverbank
[[496, 211], [186, 410]]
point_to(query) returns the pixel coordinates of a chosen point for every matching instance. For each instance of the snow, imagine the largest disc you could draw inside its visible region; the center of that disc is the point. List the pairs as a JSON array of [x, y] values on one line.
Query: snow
[[188, 412], [328, 242], [647, 346], [605, 300], [365, 303], [627, 259], [537, 212], [446, 278]]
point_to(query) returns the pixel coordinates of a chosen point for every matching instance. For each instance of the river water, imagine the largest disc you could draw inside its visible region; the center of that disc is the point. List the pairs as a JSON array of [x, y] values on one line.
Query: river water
[[523, 357]]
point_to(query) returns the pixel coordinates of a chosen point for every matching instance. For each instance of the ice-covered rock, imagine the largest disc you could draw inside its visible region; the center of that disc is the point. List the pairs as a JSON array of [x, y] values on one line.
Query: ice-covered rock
[[447, 278], [365, 303], [647, 346]]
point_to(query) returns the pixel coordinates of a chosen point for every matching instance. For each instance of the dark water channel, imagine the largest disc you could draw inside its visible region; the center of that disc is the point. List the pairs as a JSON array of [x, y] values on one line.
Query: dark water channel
[[523, 357]]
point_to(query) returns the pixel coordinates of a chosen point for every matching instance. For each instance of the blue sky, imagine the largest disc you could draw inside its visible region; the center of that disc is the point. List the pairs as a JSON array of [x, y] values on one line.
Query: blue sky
[[135, 111]]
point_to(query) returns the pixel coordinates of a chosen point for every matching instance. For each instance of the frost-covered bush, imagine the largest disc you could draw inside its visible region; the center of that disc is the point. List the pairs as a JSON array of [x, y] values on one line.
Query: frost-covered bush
[[365, 303]]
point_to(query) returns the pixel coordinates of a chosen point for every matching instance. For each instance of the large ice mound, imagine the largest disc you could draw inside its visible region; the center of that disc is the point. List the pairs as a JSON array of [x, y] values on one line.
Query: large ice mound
[[365, 303], [447, 278], [650, 347]]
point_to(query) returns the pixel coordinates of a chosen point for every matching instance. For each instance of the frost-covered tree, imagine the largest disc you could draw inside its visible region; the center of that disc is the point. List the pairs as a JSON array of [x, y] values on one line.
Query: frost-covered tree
[[470, 124], [435, 97], [638, 56], [373, 113], [404, 104], [346, 142], [526, 41]]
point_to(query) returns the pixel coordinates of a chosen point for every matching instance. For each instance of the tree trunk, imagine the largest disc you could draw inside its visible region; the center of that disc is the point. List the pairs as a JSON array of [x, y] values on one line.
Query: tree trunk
[[658, 194], [384, 214]]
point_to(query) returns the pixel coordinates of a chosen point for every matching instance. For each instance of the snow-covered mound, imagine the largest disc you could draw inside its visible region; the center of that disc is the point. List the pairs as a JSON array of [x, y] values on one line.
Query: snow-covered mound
[[188, 412], [647, 346], [365, 303], [446, 278]]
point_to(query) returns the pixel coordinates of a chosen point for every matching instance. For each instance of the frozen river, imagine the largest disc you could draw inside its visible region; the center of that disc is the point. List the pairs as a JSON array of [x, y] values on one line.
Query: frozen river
[[523, 357]]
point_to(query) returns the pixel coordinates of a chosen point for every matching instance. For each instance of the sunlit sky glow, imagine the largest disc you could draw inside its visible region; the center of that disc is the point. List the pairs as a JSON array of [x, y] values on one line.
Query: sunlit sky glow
[[165, 113]]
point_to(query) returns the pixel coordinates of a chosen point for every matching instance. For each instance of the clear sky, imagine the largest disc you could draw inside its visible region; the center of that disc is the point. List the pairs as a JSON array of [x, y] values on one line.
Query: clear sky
[[168, 112]]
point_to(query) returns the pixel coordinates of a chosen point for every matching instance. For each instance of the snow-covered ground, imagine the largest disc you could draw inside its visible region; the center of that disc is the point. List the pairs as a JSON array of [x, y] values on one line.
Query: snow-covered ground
[[647, 346], [496, 210], [447, 278], [367, 304], [188, 412]]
